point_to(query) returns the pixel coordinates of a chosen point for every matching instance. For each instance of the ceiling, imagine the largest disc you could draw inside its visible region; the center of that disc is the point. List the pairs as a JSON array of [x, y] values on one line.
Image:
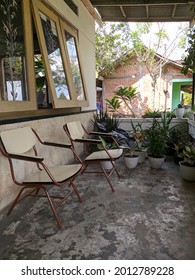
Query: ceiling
[[145, 10]]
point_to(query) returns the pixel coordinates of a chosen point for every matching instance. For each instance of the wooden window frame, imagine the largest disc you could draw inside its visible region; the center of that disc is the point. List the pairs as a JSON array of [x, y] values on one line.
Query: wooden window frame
[[31, 103], [38, 7], [74, 33]]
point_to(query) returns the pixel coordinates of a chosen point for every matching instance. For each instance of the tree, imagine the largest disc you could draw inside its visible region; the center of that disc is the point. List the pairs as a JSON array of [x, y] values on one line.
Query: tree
[[112, 41], [189, 61], [115, 40], [157, 42]]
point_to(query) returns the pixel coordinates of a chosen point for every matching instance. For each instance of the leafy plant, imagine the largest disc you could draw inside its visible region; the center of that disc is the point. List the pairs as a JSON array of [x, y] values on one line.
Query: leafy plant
[[189, 155], [106, 145], [125, 95], [189, 60], [156, 139], [152, 114], [179, 105], [114, 104], [131, 150], [105, 123]]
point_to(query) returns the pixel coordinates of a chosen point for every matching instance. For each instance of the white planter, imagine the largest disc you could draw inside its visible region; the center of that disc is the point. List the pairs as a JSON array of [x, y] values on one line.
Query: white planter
[[156, 162], [142, 155], [187, 172], [131, 162], [179, 112], [107, 164]]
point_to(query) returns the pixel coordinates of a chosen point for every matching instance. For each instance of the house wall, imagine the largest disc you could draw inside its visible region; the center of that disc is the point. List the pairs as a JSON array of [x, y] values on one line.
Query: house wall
[[51, 128], [136, 75]]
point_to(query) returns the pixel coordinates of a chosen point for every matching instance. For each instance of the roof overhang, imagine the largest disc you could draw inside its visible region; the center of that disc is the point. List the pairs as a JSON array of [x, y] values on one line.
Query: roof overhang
[[145, 10]]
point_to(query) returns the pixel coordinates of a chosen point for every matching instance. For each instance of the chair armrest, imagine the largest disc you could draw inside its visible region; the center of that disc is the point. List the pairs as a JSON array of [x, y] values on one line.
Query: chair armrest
[[26, 158], [60, 145], [109, 134], [90, 141]]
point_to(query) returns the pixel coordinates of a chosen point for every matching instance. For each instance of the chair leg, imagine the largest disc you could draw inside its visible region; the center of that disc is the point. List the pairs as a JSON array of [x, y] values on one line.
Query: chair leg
[[52, 207], [116, 172], [15, 201], [76, 191], [107, 177]]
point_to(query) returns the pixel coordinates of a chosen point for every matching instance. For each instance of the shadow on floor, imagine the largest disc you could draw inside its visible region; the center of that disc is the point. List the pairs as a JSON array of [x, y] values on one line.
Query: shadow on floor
[[151, 215]]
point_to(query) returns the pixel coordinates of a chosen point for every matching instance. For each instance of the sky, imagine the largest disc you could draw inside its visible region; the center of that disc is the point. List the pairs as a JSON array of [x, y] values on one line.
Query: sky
[[172, 29]]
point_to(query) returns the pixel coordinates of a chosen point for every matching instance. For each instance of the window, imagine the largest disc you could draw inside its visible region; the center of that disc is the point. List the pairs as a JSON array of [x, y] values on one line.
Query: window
[[39, 59], [72, 5], [16, 87], [59, 48]]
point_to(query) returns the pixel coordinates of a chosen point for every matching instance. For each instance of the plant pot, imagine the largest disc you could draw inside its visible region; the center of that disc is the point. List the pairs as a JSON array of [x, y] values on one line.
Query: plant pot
[[131, 162], [179, 112], [156, 163], [107, 164], [187, 172], [142, 155]]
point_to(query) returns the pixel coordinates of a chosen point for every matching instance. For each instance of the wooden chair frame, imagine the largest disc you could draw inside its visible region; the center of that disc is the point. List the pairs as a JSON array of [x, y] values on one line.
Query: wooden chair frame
[[92, 159], [49, 178]]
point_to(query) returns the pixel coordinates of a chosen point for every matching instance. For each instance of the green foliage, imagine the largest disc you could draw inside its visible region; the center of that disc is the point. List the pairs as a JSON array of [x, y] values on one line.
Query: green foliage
[[40, 73], [108, 122], [123, 94], [152, 114], [189, 155], [112, 41], [156, 139], [113, 104], [189, 60], [179, 136], [106, 145]]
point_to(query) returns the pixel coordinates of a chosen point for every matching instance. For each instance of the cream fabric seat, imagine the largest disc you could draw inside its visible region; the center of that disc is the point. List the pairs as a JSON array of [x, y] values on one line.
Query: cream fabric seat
[[18, 145]]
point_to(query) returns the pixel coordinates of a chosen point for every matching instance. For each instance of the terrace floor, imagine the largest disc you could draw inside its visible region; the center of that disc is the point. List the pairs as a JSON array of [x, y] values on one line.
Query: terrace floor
[[151, 215]]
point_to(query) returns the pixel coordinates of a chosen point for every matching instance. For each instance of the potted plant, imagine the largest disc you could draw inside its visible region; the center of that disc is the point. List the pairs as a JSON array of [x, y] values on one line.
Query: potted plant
[[130, 158], [138, 133], [179, 111], [156, 142], [187, 166]]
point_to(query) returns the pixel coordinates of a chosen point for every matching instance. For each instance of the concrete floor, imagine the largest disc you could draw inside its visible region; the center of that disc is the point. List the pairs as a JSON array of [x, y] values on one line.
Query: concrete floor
[[151, 215]]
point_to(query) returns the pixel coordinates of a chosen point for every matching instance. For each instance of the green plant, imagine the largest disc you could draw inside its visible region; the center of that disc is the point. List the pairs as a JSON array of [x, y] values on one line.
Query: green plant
[[139, 134], [152, 114], [125, 95], [106, 145], [179, 105], [189, 155], [189, 60], [105, 123], [40, 73], [156, 139]]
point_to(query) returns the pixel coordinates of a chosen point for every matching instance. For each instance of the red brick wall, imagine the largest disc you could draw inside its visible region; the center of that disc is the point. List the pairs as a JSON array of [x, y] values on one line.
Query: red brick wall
[[136, 75]]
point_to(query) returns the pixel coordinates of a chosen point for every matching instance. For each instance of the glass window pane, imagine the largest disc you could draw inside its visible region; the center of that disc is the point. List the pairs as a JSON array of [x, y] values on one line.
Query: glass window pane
[[13, 70], [55, 59], [74, 62]]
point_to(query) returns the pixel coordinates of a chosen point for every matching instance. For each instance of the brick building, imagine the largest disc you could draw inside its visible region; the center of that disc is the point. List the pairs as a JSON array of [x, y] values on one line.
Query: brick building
[[169, 87]]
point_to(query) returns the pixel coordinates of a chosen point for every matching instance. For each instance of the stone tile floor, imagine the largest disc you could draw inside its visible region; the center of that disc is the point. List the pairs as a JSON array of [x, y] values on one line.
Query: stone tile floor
[[151, 215]]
